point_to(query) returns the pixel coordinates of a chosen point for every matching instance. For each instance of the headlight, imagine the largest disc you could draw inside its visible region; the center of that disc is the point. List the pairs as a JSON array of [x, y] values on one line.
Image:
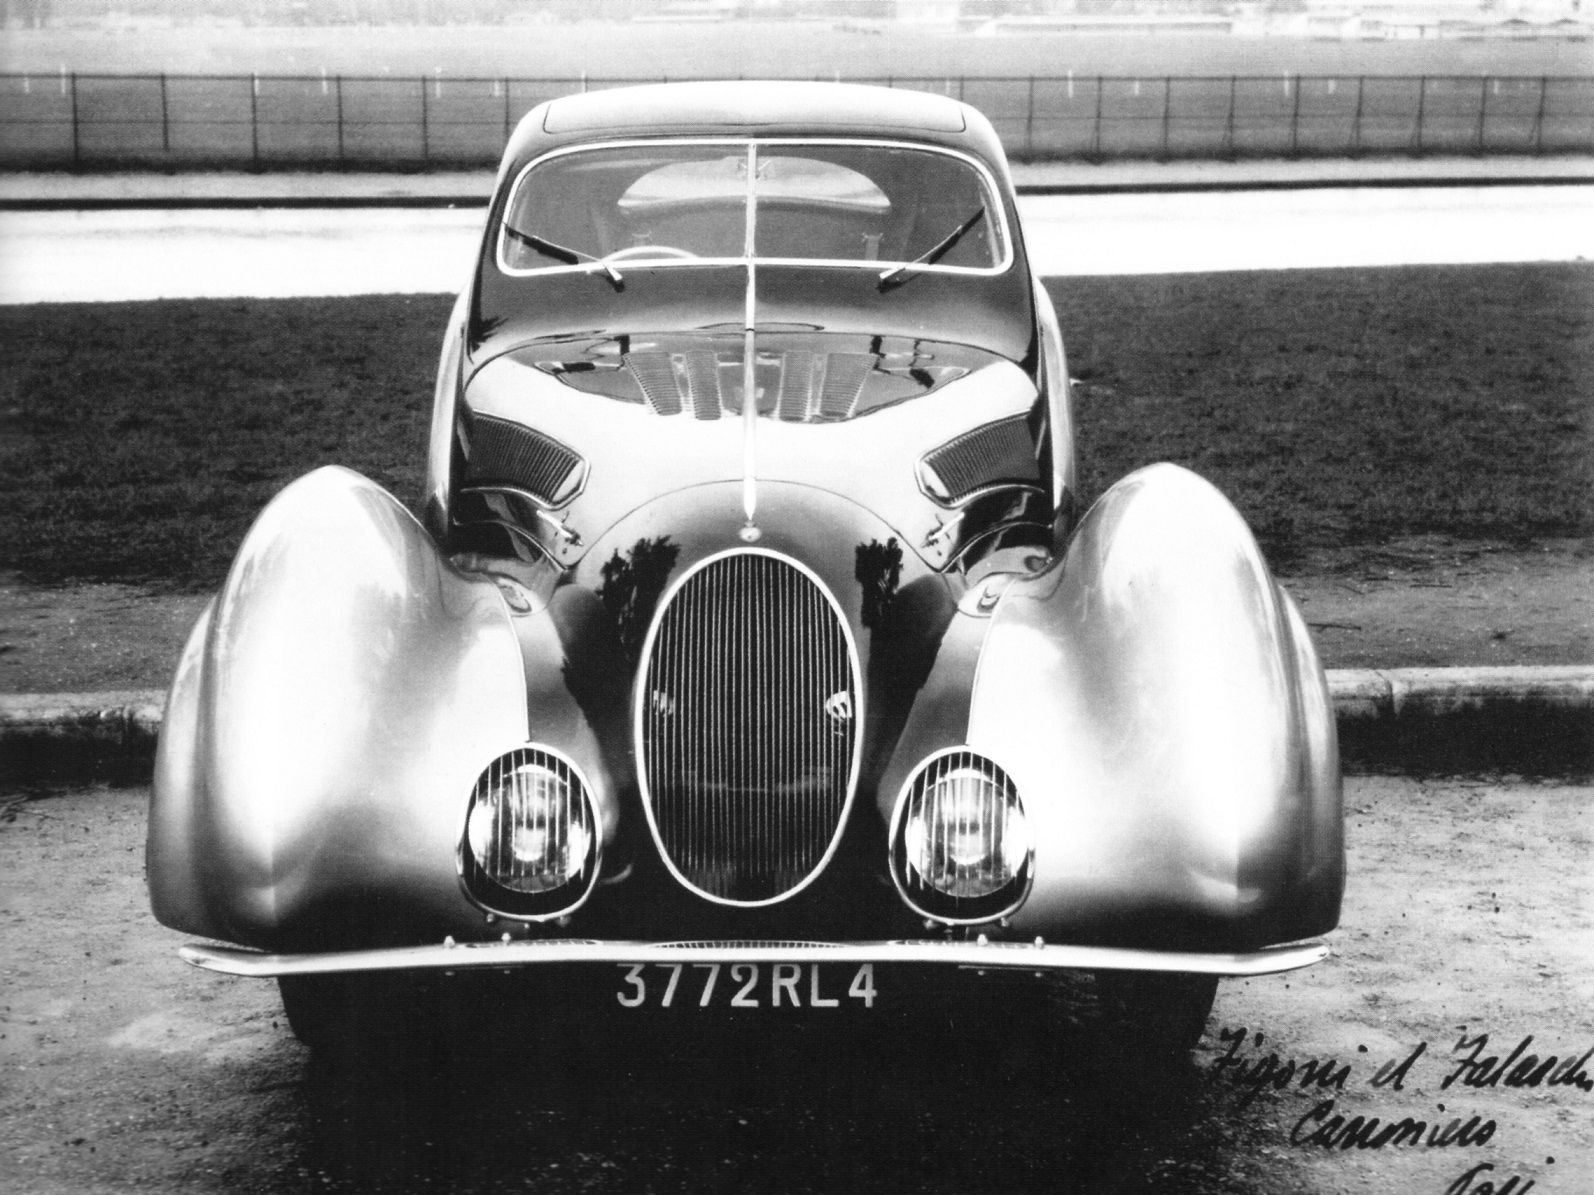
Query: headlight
[[961, 846], [531, 839]]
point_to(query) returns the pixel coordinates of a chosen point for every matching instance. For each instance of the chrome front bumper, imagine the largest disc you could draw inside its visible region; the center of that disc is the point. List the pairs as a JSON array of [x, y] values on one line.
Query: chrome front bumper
[[460, 956]]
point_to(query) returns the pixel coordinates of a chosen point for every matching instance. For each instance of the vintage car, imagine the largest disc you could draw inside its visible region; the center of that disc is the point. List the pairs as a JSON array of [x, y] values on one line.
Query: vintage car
[[752, 648]]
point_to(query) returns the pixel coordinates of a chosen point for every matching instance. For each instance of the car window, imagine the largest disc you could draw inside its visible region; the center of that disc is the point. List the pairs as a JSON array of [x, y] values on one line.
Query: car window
[[821, 202]]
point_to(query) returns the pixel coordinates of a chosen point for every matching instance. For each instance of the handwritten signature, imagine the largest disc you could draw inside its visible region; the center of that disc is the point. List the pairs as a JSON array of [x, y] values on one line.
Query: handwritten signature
[[1472, 1065]]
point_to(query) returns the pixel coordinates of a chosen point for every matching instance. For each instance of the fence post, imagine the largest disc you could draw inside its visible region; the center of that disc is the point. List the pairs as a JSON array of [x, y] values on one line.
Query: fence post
[[1167, 112], [1295, 119], [338, 91], [166, 124], [1536, 142], [1029, 121], [1095, 136], [77, 145], [254, 121], [1483, 110], [1356, 125], [1228, 126], [1422, 105], [426, 132]]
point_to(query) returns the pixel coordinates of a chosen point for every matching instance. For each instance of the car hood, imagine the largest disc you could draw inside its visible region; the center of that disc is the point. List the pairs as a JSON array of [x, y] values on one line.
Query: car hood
[[642, 417]]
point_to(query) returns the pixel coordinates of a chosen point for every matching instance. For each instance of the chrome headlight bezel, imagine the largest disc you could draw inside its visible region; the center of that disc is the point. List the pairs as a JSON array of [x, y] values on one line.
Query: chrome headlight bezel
[[942, 791], [566, 832]]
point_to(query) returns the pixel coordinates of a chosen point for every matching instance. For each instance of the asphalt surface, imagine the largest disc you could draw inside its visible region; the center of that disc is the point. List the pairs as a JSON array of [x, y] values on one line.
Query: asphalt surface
[[1470, 910], [282, 251]]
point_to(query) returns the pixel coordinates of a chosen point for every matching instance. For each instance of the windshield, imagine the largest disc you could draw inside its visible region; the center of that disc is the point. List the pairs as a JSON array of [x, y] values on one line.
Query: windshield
[[891, 208]]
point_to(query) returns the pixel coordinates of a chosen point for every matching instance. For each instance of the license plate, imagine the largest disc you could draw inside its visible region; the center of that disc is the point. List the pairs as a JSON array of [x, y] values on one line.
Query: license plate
[[746, 985]]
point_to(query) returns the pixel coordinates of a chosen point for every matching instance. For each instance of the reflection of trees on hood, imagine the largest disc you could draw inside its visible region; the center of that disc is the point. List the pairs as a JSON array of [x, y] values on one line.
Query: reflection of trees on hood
[[632, 586], [879, 571]]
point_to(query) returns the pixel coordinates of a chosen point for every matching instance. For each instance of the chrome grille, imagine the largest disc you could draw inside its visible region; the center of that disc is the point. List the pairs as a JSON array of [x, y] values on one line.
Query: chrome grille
[[747, 723]]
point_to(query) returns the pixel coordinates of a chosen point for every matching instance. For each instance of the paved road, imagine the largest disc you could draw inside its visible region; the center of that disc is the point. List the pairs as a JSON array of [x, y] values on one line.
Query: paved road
[[1470, 912], [95, 255]]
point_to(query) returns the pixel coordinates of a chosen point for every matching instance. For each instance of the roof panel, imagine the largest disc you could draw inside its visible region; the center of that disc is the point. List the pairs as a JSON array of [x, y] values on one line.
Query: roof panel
[[676, 107]]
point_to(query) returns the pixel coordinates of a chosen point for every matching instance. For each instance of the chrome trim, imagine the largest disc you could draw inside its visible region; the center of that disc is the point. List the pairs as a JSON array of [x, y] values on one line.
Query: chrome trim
[[593, 811], [994, 201], [462, 956], [984, 491], [899, 811], [750, 346], [639, 706], [542, 509]]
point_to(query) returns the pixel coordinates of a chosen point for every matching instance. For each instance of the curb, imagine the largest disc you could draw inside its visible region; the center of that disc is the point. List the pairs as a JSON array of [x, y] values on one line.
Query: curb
[[1365, 694], [1532, 719], [1535, 720]]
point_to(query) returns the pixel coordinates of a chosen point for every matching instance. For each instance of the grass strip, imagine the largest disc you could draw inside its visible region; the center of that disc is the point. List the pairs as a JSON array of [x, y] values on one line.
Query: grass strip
[[1339, 408], [1336, 408]]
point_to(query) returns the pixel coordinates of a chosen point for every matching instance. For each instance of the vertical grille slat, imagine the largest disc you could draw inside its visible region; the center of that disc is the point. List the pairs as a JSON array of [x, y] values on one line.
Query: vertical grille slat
[[747, 727]]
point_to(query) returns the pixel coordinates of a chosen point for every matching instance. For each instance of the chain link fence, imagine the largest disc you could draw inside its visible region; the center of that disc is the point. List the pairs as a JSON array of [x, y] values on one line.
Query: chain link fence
[[266, 122]]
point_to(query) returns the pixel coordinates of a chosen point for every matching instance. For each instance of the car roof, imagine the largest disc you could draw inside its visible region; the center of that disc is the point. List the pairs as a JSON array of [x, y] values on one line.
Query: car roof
[[784, 108]]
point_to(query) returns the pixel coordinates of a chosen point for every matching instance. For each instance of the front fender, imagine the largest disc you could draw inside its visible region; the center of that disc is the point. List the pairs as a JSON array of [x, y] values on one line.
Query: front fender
[[1158, 703], [328, 719]]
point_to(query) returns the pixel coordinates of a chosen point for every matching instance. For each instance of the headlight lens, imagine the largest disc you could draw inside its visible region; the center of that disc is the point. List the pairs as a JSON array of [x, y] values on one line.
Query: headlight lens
[[962, 847], [531, 838]]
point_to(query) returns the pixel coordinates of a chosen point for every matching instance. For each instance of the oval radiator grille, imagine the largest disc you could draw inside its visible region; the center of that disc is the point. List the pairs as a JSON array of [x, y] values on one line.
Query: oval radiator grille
[[746, 722]]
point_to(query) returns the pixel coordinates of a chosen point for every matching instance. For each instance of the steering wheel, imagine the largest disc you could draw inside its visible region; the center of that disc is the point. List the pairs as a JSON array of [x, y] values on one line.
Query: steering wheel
[[647, 251]]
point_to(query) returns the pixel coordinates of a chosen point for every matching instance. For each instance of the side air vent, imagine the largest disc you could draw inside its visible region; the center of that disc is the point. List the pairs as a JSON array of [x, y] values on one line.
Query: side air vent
[[505, 453], [1000, 453]]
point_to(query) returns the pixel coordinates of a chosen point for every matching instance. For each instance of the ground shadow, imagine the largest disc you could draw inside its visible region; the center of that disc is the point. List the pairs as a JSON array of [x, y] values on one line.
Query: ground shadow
[[502, 1097]]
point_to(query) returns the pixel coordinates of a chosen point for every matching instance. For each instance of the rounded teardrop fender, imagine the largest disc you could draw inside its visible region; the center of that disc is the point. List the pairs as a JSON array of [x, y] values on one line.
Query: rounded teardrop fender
[[328, 718], [1157, 701]]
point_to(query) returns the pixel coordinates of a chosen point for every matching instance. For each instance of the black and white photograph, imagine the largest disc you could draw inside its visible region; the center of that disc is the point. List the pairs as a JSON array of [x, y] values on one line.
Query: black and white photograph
[[774, 596]]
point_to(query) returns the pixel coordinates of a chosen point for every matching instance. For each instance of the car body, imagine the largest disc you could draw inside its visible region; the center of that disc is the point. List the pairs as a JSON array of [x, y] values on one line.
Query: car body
[[814, 686]]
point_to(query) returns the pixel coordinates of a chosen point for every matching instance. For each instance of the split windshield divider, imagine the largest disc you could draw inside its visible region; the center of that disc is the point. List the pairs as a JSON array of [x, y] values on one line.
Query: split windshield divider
[[749, 350]]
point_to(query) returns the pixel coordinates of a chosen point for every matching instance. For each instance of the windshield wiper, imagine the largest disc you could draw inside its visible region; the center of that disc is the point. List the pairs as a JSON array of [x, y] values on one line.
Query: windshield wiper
[[936, 252], [564, 253]]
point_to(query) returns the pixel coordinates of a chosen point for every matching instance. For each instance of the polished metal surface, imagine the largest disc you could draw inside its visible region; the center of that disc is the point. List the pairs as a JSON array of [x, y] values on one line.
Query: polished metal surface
[[747, 731], [327, 722], [450, 956], [635, 455], [745, 546], [1165, 718]]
